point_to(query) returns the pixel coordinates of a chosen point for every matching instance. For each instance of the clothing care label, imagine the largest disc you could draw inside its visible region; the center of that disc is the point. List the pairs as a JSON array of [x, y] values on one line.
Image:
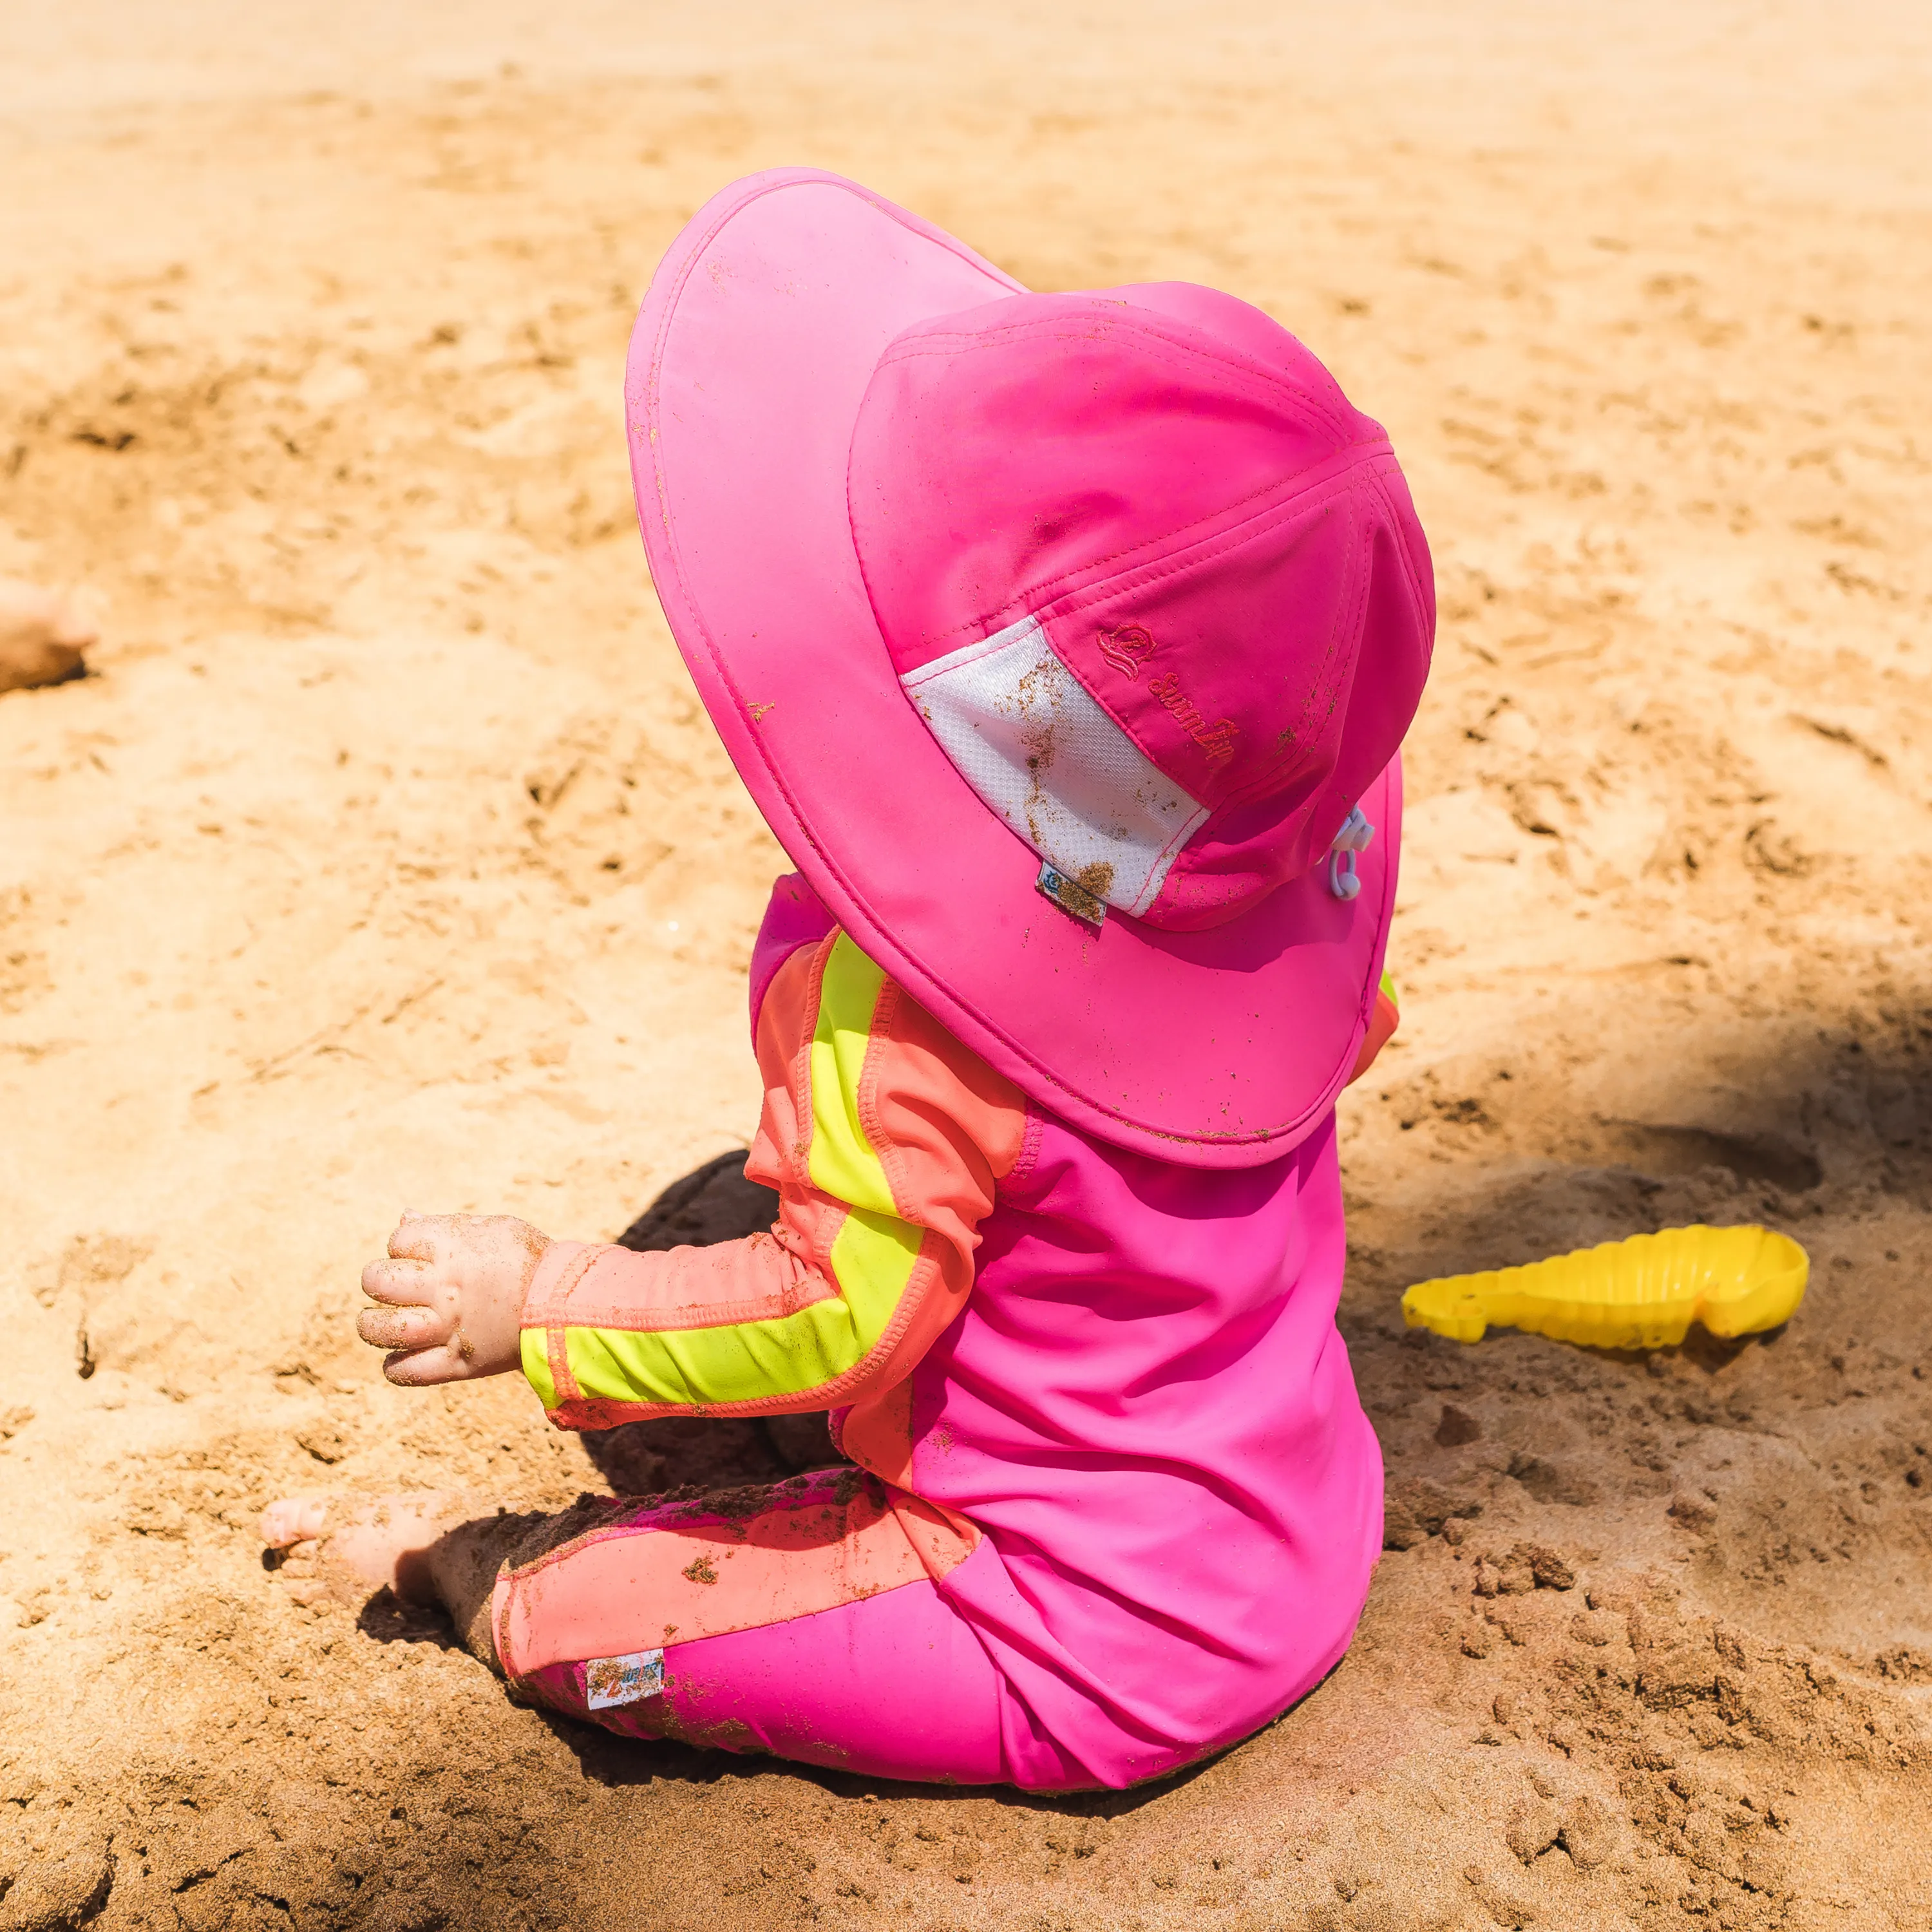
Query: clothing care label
[[623, 1680], [1071, 896]]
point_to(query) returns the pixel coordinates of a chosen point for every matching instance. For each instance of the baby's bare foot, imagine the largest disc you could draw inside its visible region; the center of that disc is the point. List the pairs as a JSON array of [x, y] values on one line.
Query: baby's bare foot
[[335, 1548]]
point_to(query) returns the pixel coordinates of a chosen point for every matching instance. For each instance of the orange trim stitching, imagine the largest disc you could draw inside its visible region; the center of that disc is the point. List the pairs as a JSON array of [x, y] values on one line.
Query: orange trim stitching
[[806, 1293], [879, 1040], [822, 1235], [500, 1620], [562, 1379], [1023, 1161], [554, 1317], [719, 1532], [863, 1377], [553, 1305], [950, 1050]]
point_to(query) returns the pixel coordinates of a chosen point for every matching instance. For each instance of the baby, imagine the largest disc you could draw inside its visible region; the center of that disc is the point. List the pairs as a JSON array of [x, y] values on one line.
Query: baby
[[1066, 642]]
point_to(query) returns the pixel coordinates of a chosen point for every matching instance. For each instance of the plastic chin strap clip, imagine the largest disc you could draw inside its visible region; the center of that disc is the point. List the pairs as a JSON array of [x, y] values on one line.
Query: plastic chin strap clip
[[1343, 880]]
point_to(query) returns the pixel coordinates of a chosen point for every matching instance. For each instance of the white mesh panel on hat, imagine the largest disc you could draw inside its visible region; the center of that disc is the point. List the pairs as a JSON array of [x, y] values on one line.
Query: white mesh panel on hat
[[1022, 730]]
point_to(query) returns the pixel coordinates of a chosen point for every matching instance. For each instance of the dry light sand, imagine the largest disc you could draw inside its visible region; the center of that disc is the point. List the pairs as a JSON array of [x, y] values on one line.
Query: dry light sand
[[386, 858]]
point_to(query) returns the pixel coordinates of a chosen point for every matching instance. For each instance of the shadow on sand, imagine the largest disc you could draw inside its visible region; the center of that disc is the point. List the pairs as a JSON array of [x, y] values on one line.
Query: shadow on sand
[[1835, 1119]]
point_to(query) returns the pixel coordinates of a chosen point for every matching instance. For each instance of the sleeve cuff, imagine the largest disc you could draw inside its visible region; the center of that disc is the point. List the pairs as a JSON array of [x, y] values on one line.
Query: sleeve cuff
[[536, 1366], [555, 1271]]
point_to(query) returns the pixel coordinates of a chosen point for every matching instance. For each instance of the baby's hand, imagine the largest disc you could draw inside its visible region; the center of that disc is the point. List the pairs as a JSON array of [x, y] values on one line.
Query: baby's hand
[[455, 1285]]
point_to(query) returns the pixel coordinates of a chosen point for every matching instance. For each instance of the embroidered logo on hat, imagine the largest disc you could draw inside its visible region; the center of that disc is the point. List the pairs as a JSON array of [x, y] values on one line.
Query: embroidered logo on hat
[[1126, 648]]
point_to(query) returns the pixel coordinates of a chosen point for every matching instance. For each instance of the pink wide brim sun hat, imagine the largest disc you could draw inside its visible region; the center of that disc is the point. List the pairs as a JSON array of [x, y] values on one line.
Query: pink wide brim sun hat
[[1066, 643]]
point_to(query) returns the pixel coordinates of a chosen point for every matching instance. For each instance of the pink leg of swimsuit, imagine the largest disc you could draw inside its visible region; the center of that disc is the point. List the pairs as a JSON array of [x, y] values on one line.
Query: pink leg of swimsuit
[[670, 1621]]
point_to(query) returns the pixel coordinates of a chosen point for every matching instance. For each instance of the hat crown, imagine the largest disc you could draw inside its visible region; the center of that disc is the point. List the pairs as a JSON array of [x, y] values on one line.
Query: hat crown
[[1155, 586]]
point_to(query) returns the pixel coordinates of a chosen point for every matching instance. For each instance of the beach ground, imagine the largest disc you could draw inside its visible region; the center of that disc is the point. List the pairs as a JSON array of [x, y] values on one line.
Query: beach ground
[[384, 859]]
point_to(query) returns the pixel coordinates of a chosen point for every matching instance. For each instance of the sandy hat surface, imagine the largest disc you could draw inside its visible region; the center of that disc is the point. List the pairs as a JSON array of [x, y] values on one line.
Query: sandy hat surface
[[1058, 637]]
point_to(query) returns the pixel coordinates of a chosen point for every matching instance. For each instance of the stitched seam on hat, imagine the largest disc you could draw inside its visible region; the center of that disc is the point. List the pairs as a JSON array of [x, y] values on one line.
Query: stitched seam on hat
[[1146, 575], [1412, 565], [1037, 596], [1206, 550], [1298, 404], [1356, 614], [1170, 855], [1363, 577], [1297, 750], [1139, 323], [990, 645]]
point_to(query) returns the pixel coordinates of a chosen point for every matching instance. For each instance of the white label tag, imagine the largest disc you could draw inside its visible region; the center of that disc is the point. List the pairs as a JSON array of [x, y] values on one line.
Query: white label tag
[[623, 1680], [1023, 731]]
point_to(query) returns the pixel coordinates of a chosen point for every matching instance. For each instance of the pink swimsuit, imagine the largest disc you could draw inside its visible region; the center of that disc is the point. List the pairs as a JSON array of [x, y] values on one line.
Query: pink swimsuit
[[1117, 1503]]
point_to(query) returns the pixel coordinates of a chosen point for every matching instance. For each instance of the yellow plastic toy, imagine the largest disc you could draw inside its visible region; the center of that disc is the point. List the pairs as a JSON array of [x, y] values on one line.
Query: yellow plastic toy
[[1642, 1293]]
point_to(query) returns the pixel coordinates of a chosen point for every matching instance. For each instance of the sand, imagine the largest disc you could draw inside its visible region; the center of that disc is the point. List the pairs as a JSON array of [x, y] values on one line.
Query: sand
[[384, 859]]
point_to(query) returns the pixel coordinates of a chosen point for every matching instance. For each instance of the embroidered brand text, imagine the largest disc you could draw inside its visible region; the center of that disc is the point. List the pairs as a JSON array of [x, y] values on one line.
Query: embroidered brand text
[[1217, 739]]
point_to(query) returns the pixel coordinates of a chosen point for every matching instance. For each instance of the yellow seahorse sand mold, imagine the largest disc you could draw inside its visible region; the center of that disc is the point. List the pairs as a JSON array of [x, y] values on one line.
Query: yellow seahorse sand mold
[[1642, 1293]]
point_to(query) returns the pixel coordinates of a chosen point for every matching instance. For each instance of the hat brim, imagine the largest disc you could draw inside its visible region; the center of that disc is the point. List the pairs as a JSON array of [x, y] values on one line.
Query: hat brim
[[750, 358]]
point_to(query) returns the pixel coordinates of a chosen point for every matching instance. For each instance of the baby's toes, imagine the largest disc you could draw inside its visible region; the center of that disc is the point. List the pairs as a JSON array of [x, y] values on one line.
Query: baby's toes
[[294, 1519], [295, 1571], [308, 1576]]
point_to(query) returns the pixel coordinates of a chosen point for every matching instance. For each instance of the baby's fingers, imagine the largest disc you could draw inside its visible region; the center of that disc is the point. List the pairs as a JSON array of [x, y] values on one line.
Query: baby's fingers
[[415, 1239], [406, 1283], [415, 1368], [404, 1328]]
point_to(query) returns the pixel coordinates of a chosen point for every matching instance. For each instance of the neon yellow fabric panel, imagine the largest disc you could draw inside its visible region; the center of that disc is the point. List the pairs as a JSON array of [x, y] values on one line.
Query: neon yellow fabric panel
[[842, 1161], [872, 1260], [1387, 988], [535, 1345]]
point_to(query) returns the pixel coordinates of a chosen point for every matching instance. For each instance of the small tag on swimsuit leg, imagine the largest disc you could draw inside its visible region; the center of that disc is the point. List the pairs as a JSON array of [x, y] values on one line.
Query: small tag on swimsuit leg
[[623, 1680], [1072, 896]]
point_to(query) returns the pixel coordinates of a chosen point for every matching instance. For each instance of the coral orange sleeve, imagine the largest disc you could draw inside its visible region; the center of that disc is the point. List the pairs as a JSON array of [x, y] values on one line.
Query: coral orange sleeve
[[1382, 1023], [885, 1139]]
